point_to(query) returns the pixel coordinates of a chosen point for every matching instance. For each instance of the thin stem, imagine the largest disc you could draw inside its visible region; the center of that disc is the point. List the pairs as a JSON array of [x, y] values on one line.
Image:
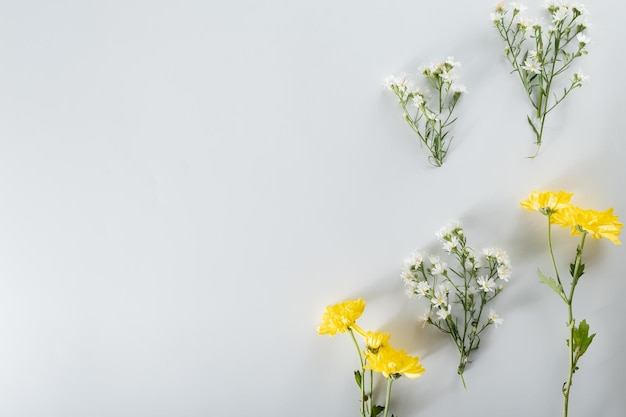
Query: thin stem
[[571, 323], [362, 384], [388, 396], [556, 270]]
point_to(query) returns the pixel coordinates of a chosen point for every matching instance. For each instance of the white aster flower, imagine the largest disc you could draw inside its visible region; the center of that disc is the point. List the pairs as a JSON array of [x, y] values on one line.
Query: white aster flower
[[433, 259], [414, 261], [451, 244], [504, 272], [496, 16], [440, 298], [580, 8], [447, 76], [425, 316], [444, 313], [406, 276], [532, 65], [525, 24], [439, 268], [447, 230], [502, 258], [418, 99], [486, 284], [458, 88], [422, 289], [494, 318], [410, 292], [518, 7], [450, 61], [560, 14], [472, 290], [553, 4], [582, 38], [580, 77]]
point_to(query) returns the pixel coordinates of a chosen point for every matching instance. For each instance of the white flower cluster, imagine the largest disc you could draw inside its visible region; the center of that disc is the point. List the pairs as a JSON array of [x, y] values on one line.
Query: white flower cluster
[[541, 52], [475, 281], [429, 115]]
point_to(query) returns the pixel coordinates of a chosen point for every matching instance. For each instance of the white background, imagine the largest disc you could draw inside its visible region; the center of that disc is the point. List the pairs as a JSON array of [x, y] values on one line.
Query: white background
[[185, 185]]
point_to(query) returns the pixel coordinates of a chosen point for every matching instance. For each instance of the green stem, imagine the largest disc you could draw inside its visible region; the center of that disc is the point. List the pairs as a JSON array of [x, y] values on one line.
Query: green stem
[[571, 323], [388, 396], [556, 270], [358, 349]]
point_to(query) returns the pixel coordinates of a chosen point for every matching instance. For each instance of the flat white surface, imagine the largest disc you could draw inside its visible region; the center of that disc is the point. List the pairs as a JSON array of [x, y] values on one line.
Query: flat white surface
[[184, 186]]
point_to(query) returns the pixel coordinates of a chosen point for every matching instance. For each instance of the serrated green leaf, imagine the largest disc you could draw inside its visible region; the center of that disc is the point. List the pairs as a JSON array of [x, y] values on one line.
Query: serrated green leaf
[[358, 378], [582, 340], [550, 282], [377, 409]]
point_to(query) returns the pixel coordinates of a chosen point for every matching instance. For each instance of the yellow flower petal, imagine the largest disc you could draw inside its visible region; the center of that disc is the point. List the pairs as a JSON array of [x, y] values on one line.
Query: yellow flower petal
[[376, 340], [599, 224], [394, 363], [339, 317], [547, 202]]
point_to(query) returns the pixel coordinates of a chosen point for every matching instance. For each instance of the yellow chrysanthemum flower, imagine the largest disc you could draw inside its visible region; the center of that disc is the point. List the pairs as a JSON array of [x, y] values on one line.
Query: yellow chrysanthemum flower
[[547, 202], [394, 363], [376, 340], [599, 224], [340, 317]]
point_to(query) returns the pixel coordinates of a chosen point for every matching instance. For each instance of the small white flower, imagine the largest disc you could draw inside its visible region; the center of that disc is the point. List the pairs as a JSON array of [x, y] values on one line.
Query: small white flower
[[486, 284], [450, 61], [502, 258], [504, 272], [451, 244], [439, 268], [580, 77], [494, 318], [560, 14], [582, 38], [525, 24], [418, 99], [532, 65], [458, 88], [580, 8], [406, 276], [434, 259], [447, 230], [425, 316], [496, 16], [440, 298], [414, 261], [443, 314], [422, 289], [447, 76], [472, 290], [518, 7], [553, 4]]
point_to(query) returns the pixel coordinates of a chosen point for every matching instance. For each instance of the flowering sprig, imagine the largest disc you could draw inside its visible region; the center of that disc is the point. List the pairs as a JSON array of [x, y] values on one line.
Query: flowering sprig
[[430, 118], [540, 54], [557, 208], [379, 356], [457, 295]]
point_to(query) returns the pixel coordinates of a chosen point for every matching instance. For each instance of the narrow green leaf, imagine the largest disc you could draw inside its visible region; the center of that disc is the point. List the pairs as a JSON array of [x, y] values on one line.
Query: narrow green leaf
[[550, 282], [357, 378], [532, 126]]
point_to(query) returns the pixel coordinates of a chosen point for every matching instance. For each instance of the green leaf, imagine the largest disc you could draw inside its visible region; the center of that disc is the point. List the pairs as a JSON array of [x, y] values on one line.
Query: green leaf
[[358, 378], [377, 409], [550, 282], [532, 125], [582, 340]]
